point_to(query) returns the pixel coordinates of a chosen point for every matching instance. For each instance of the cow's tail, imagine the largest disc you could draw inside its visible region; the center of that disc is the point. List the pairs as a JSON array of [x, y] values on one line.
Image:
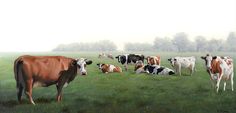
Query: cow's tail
[[18, 71]]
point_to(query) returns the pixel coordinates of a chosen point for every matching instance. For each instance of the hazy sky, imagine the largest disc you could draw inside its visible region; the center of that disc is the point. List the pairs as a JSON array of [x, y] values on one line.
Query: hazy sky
[[30, 25]]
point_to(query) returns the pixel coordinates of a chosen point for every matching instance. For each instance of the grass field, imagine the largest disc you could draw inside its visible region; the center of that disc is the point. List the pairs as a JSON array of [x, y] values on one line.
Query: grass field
[[120, 93]]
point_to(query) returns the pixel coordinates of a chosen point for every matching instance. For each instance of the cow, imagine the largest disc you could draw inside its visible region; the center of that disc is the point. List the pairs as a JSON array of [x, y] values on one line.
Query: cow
[[43, 71], [129, 59], [109, 68], [158, 70], [103, 55], [219, 68], [154, 60], [139, 67], [183, 62]]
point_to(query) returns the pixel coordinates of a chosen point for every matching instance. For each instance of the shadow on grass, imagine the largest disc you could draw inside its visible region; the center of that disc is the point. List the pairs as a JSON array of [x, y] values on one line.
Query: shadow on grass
[[13, 103]]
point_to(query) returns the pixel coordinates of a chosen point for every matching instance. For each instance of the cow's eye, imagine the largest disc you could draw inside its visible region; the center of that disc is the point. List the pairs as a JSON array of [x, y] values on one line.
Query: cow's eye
[[79, 66], [85, 65]]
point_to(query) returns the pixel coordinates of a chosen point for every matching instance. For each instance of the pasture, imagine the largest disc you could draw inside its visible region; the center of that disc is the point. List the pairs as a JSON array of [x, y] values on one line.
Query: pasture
[[121, 93]]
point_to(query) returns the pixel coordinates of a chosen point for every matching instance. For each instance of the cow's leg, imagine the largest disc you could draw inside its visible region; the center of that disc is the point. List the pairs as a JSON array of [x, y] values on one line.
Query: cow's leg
[[19, 92], [176, 70], [60, 85], [191, 71], [232, 81], [180, 71], [59, 90], [218, 82], [28, 90], [224, 85], [126, 67]]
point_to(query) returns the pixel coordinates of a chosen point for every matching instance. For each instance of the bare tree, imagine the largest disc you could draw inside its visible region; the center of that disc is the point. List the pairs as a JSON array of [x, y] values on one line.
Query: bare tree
[[201, 43], [181, 41], [163, 44]]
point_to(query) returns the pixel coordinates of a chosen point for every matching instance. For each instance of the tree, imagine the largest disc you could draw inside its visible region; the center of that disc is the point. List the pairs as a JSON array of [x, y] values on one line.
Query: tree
[[215, 45], [181, 41], [138, 47], [103, 45], [231, 42], [201, 43], [163, 44]]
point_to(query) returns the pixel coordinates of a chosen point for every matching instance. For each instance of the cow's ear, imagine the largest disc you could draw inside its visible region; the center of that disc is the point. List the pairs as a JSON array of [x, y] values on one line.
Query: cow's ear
[[117, 57], [203, 57], [88, 62], [169, 59], [214, 57], [145, 67], [74, 62]]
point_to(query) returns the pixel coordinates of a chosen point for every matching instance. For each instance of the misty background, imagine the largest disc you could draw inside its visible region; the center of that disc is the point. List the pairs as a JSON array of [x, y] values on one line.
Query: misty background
[[179, 43], [109, 25]]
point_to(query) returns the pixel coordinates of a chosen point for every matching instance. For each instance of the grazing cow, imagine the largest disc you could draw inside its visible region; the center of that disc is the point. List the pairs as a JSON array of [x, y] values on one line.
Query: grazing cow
[[154, 60], [219, 68], [139, 67], [108, 68], [129, 59], [158, 70], [36, 71], [103, 55], [183, 62]]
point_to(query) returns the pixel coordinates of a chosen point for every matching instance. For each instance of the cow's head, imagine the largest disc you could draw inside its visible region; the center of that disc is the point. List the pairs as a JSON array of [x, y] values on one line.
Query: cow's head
[[81, 63], [100, 65], [121, 58], [138, 65], [208, 58], [172, 61]]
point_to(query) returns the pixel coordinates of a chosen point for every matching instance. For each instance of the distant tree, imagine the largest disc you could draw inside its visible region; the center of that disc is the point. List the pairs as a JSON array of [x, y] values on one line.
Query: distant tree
[[231, 42], [138, 47], [163, 44], [215, 45], [181, 41], [103, 45], [201, 43]]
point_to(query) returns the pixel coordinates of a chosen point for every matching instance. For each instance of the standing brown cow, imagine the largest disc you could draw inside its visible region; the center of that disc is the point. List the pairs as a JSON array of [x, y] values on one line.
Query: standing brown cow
[[36, 71]]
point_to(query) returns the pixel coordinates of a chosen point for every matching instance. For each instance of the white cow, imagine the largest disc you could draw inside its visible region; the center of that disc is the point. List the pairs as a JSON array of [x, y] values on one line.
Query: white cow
[[183, 62]]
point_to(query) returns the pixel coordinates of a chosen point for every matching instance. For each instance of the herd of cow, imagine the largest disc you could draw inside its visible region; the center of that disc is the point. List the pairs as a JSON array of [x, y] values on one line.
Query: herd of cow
[[36, 71]]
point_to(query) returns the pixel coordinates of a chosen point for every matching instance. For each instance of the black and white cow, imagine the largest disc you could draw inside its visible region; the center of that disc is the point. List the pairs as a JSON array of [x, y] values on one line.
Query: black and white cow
[[158, 70], [129, 59]]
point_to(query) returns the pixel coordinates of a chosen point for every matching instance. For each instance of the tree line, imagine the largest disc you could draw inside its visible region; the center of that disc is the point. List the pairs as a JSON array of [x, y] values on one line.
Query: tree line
[[180, 43], [103, 45]]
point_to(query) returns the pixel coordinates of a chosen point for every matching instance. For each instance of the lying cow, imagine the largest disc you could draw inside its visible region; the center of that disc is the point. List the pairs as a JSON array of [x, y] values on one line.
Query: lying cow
[[36, 71], [158, 70], [139, 67], [154, 60], [183, 62], [219, 68], [103, 55], [129, 59], [108, 68]]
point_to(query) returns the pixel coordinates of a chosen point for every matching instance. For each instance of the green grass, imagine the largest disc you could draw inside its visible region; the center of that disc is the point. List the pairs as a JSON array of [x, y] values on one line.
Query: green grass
[[120, 93]]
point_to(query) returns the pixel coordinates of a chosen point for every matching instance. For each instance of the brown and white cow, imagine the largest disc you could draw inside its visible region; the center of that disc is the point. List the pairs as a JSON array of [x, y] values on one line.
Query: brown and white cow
[[154, 60], [219, 68], [108, 68], [36, 71], [103, 55], [139, 67]]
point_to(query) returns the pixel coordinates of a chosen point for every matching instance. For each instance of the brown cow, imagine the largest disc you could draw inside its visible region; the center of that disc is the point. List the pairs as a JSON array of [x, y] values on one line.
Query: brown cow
[[36, 71], [109, 68], [154, 60]]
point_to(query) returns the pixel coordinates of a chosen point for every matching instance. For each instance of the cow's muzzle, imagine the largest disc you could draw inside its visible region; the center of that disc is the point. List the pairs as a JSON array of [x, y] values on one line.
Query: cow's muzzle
[[83, 73]]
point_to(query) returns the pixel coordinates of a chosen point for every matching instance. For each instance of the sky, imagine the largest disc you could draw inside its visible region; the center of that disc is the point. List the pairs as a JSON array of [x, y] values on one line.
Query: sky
[[41, 25]]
